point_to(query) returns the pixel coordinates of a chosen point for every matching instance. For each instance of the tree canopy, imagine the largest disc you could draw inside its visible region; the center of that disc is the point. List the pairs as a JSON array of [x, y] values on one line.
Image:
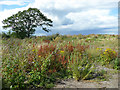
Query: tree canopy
[[24, 23]]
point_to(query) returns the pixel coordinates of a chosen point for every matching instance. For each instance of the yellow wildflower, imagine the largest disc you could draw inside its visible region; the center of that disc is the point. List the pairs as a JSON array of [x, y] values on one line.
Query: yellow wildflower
[[114, 52], [97, 48], [108, 49], [33, 50], [104, 52], [28, 75], [61, 51], [39, 56]]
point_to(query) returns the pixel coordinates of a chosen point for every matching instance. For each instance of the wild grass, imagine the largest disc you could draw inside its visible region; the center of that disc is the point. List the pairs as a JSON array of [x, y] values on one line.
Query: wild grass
[[40, 61]]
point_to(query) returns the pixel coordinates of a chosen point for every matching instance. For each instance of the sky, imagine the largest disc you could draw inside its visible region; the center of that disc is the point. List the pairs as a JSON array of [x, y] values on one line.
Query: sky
[[70, 17]]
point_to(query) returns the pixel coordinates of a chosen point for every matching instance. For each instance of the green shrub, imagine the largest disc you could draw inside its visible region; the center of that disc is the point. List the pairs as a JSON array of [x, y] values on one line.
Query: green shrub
[[51, 38], [108, 56], [81, 66]]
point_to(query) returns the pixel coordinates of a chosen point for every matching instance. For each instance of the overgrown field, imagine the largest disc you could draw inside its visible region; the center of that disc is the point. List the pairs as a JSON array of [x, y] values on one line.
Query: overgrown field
[[41, 61]]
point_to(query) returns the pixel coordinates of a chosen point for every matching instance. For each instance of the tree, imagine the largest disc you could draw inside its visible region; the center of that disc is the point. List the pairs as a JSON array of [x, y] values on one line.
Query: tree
[[24, 23]]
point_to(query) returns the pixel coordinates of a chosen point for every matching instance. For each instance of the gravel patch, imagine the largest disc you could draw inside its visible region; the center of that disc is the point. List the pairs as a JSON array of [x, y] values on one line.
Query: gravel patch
[[71, 83]]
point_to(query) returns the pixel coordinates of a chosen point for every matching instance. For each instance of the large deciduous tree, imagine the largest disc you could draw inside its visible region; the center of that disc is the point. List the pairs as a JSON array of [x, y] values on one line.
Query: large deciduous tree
[[24, 23]]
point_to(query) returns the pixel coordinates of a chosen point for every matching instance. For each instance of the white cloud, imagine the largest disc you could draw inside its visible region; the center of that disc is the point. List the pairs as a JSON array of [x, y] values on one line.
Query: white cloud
[[84, 14], [40, 34], [110, 30], [110, 33], [16, 2], [63, 27], [92, 19], [95, 14], [73, 4]]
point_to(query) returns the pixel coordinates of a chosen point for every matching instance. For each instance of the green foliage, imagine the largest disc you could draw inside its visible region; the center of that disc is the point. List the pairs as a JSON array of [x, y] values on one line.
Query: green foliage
[[80, 36], [51, 38], [64, 37], [24, 23], [81, 66], [9, 35], [30, 63], [102, 75], [5, 35], [108, 55], [116, 64]]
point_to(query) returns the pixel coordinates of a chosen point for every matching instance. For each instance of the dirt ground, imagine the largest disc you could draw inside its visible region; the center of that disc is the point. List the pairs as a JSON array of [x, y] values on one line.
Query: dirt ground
[[112, 82]]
